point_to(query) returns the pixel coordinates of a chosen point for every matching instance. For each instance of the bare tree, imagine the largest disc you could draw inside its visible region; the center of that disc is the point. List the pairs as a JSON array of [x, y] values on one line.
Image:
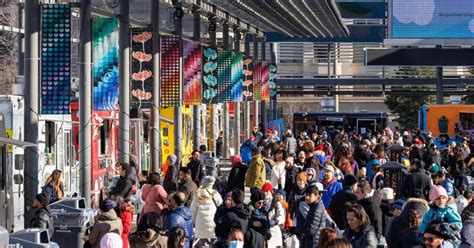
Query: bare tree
[[8, 47]]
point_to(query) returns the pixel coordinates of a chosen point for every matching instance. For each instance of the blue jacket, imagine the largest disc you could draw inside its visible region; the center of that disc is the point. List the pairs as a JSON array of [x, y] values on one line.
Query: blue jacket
[[246, 151], [181, 217], [448, 185], [332, 188], [53, 197], [446, 214]]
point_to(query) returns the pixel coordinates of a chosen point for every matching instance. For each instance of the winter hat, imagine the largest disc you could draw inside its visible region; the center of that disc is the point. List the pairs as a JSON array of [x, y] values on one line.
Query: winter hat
[[228, 194], [281, 192], [419, 142], [268, 187], [43, 198], [310, 171], [434, 169], [269, 131], [303, 176], [322, 159], [387, 194], [329, 168], [398, 204], [441, 229], [208, 182], [437, 191], [111, 240], [319, 148], [172, 158], [349, 180], [290, 160], [106, 205], [236, 159], [257, 195]]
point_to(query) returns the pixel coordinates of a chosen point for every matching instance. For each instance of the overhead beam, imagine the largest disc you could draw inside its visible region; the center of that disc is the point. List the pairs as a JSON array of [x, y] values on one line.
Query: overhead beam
[[419, 57], [372, 81]]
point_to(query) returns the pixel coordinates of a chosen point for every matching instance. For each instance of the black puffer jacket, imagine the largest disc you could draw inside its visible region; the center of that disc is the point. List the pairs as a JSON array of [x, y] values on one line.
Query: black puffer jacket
[[197, 171], [236, 177], [416, 185], [372, 208], [410, 238], [315, 221], [337, 206], [123, 188], [362, 239], [401, 222], [237, 216], [43, 219]]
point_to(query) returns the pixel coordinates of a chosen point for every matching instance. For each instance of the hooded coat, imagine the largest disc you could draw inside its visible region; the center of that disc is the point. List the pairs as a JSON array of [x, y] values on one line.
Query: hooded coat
[[446, 214], [332, 188], [237, 216], [401, 222], [106, 222], [363, 239], [237, 173], [43, 219], [181, 217], [255, 177], [337, 206], [416, 185], [204, 207]]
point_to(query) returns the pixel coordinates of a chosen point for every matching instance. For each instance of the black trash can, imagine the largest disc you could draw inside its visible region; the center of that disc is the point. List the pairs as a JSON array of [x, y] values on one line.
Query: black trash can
[[32, 238], [71, 219]]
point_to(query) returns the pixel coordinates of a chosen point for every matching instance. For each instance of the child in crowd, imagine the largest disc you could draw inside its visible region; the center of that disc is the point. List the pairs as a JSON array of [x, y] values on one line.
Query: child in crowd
[[439, 210]]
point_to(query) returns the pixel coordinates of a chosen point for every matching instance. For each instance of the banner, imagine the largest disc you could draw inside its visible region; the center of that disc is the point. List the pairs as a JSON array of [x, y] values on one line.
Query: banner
[[273, 86], [224, 72], [170, 71], [55, 58], [257, 80], [192, 69], [265, 81], [142, 68], [237, 76], [105, 63], [209, 86], [248, 78]]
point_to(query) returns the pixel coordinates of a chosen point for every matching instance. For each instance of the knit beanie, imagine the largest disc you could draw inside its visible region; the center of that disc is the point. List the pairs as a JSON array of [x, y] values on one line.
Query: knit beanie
[[111, 240], [256, 196], [106, 205], [436, 191], [268, 187], [290, 160], [302, 176], [43, 198], [208, 181], [235, 159]]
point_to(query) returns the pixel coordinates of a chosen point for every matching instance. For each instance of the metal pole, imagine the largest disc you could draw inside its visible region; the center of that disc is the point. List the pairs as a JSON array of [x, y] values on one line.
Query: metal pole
[[336, 96], [225, 46], [263, 104], [272, 102], [255, 103], [124, 82], [197, 108], [237, 112], [439, 83], [31, 104], [155, 129], [247, 105], [21, 37], [178, 110], [85, 99], [212, 107]]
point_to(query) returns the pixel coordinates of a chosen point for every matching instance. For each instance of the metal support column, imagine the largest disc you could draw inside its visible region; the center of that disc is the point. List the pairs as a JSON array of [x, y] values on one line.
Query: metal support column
[[225, 46], [21, 37], [272, 104], [247, 105], [237, 112], [85, 99], [263, 111], [212, 107], [197, 108], [31, 104], [124, 82], [439, 83], [178, 110], [155, 129], [336, 96], [255, 103]]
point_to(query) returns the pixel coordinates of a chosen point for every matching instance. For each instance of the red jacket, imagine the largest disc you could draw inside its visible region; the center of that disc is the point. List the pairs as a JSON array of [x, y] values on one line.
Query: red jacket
[[127, 218]]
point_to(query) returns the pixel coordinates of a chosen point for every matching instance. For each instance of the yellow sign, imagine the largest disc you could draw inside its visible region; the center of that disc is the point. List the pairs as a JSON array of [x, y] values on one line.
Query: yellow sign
[[10, 136]]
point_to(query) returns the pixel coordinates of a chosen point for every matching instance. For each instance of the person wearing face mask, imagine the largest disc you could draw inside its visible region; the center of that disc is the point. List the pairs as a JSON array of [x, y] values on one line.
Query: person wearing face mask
[[276, 216], [259, 221]]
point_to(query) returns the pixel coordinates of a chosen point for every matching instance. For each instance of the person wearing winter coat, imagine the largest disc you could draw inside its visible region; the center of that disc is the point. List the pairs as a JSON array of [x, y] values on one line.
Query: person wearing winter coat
[[154, 195], [276, 215], [402, 221], [443, 179], [371, 204], [106, 222], [440, 211], [150, 232], [290, 143], [359, 231], [316, 217], [197, 168], [180, 216], [256, 176], [186, 185], [125, 210], [361, 153], [259, 221], [54, 186], [339, 200], [278, 175], [439, 235], [467, 231], [236, 174], [298, 193], [463, 200], [418, 183], [42, 217], [291, 173], [410, 236], [123, 189], [203, 207], [331, 185], [170, 183], [111, 240], [235, 217]]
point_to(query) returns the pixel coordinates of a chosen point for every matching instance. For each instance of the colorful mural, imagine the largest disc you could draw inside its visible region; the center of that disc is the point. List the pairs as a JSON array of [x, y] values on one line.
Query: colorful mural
[[237, 77], [192, 70], [142, 68], [170, 71]]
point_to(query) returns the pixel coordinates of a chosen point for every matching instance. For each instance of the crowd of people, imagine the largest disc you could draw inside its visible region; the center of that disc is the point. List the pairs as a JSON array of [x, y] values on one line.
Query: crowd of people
[[325, 189]]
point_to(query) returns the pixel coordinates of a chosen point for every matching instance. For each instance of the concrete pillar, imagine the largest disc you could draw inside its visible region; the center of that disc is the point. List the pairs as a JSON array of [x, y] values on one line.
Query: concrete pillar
[[178, 110], [124, 82], [225, 46], [155, 116], [237, 112], [197, 108]]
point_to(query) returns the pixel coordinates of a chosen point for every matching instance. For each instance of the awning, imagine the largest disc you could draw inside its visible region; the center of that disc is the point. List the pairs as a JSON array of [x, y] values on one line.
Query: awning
[[14, 142]]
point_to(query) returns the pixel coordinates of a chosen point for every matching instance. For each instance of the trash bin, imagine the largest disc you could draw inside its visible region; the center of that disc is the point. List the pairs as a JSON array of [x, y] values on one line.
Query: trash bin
[[3, 237], [71, 219], [32, 238]]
